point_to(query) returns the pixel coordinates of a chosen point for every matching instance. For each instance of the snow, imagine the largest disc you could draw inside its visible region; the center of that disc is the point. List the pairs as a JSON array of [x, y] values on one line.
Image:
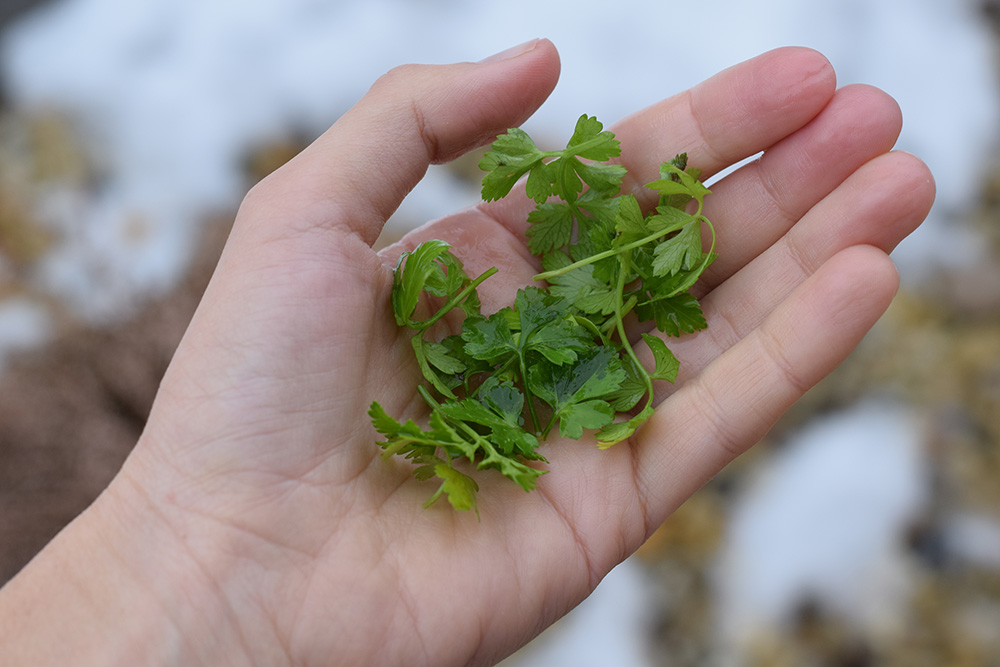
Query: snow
[[824, 521], [23, 324], [610, 628], [172, 94]]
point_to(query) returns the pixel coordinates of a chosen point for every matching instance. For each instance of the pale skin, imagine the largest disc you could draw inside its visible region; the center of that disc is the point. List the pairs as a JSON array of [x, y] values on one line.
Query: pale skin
[[255, 523]]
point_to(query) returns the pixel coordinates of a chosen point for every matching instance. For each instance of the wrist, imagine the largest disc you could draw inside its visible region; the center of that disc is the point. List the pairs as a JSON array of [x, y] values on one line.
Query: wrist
[[117, 587]]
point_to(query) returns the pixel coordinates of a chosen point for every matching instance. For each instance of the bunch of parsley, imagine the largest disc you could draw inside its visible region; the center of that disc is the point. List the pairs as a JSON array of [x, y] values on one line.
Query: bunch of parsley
[[559, 355]]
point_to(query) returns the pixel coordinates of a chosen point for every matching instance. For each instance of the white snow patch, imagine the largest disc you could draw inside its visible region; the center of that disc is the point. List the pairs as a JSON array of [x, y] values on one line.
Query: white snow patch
[[174, 93], [824, 521], [609, 628], [23, 323]]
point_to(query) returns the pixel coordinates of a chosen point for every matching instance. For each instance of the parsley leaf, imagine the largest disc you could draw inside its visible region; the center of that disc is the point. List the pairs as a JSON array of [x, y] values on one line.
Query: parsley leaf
[[512, 156], [551, 227], [574, 391], [561, 352], [460, 488], [413, 271], [680, 252], [666, 364], [631, 390], [489, 338], [614, 433], [673, 315]]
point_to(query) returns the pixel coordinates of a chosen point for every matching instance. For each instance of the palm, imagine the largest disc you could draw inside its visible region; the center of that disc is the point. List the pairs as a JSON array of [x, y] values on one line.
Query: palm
[[274, 452]]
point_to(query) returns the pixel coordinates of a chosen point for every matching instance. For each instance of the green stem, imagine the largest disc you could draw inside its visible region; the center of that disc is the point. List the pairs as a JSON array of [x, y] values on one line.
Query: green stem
[[548, 427], [612, 324], [491, 451], [603, 255], [395, 447], [627, 306], [573, 151], [499, 370], [451, 303], [623, 337], [433, 499], [528, 396], [591, 327], [426, 395]]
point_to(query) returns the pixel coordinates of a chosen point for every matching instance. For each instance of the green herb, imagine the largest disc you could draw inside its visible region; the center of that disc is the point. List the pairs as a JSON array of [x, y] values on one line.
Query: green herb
[[559, 356]]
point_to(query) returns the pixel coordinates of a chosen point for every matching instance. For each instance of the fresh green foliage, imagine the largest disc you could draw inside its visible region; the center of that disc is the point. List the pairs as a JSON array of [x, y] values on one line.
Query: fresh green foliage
[[559, 355]]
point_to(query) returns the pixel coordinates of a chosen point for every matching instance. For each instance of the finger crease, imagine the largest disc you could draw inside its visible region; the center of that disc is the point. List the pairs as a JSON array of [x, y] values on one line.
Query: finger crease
[[714, 156], [592, 576], [773, 193], [640, 488], [722, 332], [708, 406], [775, 352], [428, 137], [798, 257]]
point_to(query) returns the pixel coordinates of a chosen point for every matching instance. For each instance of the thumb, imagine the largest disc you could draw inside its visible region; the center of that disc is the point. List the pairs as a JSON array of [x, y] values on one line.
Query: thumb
[[298, 238], [354, 176]]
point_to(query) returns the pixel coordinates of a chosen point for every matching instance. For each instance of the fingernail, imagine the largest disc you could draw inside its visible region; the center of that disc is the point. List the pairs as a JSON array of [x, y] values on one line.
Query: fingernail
[[512, 52]]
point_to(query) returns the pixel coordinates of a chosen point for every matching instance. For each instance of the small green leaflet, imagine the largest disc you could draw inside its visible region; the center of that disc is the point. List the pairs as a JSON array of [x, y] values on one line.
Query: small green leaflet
[[667, 364], [514, 154], [412, 273], [542, 328], [489, 338], [673, 315], [614, 433], [432, 269], [460, 489], [576, 391], [559, 355], [591, 141], [430, 374], [631, 390], [551, 227], [581, 287], [676, 180], [681, 252], [438, 356]]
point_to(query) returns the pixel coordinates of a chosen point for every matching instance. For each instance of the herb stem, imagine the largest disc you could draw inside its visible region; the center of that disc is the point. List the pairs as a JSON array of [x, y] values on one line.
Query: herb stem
[[606, 254], [453, 301], [426, 395], [620, 325], [491, 452], [528, 396], [574, 150], [591, 327], [548, 427]]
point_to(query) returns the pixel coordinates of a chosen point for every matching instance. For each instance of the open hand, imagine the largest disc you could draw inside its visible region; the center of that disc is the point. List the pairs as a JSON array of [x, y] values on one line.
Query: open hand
[[256, 516]]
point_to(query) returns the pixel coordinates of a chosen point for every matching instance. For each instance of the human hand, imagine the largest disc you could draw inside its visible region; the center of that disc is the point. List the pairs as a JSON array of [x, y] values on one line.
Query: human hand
[[255, 512]]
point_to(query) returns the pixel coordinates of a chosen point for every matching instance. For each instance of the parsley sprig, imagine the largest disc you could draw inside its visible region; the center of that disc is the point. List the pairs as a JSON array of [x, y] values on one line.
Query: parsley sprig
[[559, 356]]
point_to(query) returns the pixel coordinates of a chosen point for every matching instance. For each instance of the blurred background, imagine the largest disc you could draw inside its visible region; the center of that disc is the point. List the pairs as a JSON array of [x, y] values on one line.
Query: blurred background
[[864, 530]]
